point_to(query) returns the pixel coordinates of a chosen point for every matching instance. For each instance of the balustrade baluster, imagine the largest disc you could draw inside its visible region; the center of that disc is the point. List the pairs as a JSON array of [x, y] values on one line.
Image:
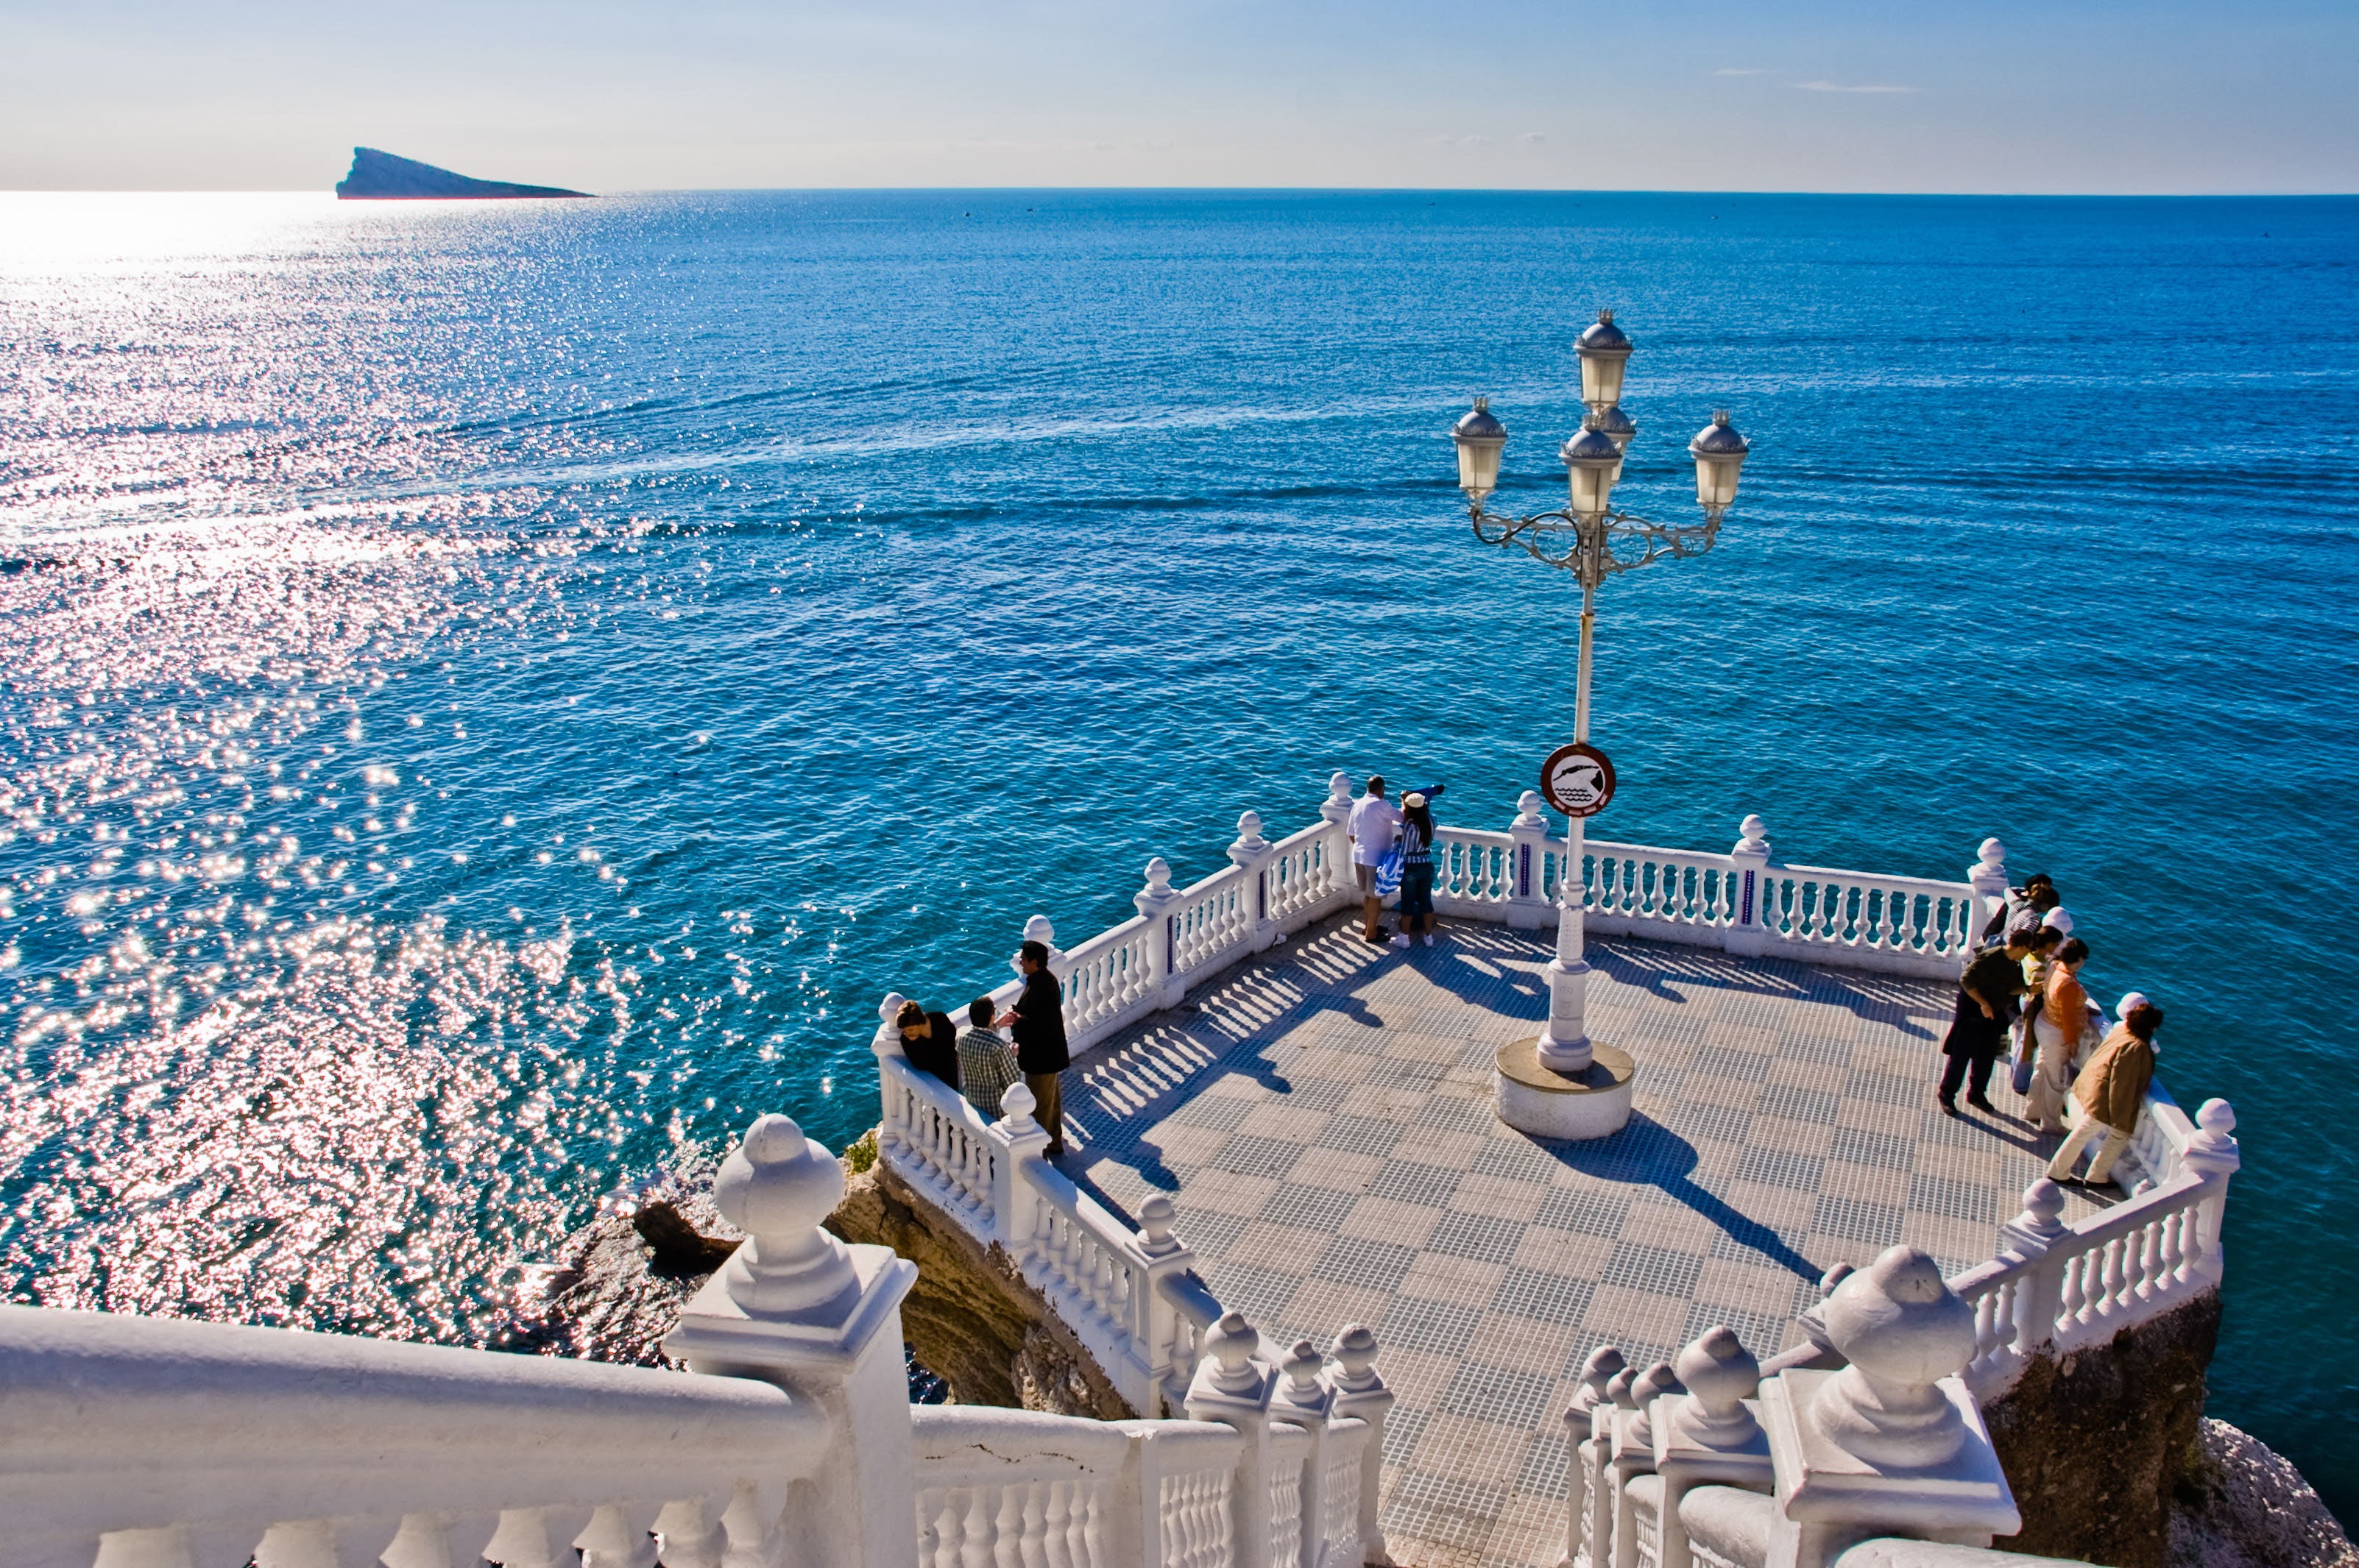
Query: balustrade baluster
[[2113, 1296]]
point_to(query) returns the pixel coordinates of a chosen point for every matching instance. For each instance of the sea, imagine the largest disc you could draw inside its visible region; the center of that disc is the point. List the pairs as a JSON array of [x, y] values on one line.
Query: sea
[[496, 693]]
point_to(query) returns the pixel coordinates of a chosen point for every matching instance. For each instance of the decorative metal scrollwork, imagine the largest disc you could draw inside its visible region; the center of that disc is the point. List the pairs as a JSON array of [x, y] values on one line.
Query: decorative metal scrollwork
[[1612, 542]]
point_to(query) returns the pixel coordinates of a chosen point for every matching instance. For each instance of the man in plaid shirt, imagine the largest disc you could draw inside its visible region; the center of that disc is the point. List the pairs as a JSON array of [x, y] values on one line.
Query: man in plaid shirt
[[985, 1066]]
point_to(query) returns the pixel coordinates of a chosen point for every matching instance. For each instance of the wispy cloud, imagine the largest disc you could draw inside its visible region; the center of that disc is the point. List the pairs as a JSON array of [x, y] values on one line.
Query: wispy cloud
[[1838, 87], [1533, 138], [1742, 70]]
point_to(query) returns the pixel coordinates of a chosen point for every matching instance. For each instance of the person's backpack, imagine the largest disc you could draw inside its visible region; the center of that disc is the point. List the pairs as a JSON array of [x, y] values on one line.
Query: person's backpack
[[1388, 870]]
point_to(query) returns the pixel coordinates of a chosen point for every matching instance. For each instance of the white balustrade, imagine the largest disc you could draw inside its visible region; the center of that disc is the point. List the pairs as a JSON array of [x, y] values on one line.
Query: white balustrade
[[1473, 872], [1668, 895], [1212, 921], [167, 1444], [1903, 923], [2055, 1288], [1309, 873]]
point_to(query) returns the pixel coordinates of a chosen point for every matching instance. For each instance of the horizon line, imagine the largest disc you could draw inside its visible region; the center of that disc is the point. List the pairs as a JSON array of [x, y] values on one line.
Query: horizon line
[[328, 190]]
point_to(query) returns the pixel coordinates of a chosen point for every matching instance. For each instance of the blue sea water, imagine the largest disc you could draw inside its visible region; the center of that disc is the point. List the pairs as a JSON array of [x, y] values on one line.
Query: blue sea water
[[494, 694]]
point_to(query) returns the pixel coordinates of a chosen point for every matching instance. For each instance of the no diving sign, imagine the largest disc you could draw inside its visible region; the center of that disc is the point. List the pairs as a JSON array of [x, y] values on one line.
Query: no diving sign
[[1577, 780]]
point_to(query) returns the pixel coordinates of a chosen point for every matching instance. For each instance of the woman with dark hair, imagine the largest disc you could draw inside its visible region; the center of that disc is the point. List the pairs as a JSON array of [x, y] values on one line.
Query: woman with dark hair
[[2111, 1092], [1417, 871], [2063, 1014]]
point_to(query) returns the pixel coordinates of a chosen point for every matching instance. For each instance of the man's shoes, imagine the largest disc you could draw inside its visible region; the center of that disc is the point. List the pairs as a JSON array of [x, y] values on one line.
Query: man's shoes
[[1948, 1107], [1428, 939], [1377, 938], [1982, 1103]]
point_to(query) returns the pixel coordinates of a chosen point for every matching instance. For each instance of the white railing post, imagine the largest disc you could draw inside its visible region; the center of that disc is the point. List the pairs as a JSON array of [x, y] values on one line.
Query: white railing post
[[1361, 1393], [2039, 1292], [1154, 902], [796, 1307], [1987, 877], [1527, 894], [1582, 1440], [1711, 1434], [1303, 1397], [1634, 1456], [1893, 1444], [2213, 1154], [892, 1122], [1232, 1386], [1014, 1200], [1155, 1320], [1251, 854], [1748, 890], [1336, 810]]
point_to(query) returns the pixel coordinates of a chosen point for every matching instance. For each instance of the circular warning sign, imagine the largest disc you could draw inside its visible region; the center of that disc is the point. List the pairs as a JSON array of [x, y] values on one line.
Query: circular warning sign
[[1577, 780]]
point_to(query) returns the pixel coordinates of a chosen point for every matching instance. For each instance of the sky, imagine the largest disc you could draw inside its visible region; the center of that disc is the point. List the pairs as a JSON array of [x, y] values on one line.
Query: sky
[[2159, 97]]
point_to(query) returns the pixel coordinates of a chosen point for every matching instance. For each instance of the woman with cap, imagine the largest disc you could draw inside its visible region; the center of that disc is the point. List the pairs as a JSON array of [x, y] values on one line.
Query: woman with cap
[[2111, 1091], [1417, 871]]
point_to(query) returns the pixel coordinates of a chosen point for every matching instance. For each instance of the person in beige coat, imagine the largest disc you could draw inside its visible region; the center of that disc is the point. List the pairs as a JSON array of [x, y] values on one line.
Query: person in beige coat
[[2110, 1092]]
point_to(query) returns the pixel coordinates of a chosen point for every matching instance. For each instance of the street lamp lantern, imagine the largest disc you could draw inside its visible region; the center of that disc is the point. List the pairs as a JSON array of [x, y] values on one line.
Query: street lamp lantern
[[1481, 438], [1591, 539], [1719, 453], [1591, 462], [1605, 350]]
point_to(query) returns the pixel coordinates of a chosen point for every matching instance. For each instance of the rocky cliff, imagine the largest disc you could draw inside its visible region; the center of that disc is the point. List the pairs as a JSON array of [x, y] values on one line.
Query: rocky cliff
[[380, 177]]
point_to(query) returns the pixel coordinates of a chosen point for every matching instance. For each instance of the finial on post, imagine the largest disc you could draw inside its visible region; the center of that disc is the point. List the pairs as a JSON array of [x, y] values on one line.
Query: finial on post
[[1156, 1216], [1903, 1330], [778, 1186], [1528, 810], [1230, 1345], [1719, 1375], [1605, 1363], [1337, 806], [1249, 831], [1016, 1108], [2041, 1221], [1355, 1353], [1753, 835]]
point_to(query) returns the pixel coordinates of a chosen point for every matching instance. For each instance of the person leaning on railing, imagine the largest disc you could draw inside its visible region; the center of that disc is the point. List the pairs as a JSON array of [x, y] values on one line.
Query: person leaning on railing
[[1038, 1021], [2111, 1091], [929, 1041], [985, 1066], [2056, 1030], [1978, 1030]]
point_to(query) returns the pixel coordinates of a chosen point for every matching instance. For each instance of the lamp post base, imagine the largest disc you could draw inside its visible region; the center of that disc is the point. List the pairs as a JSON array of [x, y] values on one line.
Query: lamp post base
[[1531, 1098]]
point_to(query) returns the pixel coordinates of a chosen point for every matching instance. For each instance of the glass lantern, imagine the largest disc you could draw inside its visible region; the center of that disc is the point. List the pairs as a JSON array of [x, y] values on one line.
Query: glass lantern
[[1481, 439], [1604, 352], [1591, 461], [1719, 453]]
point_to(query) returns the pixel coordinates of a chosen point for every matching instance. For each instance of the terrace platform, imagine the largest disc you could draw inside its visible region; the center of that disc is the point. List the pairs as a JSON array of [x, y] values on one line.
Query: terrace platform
[[1323, 1116]]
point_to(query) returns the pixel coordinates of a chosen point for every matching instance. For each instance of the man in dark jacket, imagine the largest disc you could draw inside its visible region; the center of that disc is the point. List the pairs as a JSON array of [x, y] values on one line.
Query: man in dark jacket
[[1037, 1020], [1987, 1005]]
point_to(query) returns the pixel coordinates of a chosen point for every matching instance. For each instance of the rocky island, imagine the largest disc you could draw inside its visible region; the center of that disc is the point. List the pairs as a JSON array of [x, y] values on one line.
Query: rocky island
[[382, 177]]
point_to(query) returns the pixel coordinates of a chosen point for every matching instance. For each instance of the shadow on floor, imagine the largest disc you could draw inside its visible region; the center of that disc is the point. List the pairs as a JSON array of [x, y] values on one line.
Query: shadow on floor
[[1648, 1154]]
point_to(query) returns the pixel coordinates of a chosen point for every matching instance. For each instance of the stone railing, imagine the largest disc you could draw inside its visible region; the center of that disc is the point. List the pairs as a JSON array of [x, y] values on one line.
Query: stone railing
[[790, 1443], [141, 1442], [1703, 1461], [2055, 1288]]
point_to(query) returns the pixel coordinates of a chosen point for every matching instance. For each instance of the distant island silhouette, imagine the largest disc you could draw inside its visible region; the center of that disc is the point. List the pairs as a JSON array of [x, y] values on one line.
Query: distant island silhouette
[[380, 177]]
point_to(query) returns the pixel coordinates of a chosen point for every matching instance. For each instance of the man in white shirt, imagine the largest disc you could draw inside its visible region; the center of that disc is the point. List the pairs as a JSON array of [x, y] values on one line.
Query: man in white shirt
[[1374, 824]]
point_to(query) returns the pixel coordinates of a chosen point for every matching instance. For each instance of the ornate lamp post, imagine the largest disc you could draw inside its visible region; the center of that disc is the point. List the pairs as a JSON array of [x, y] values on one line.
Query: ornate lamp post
[[1563, 1084]]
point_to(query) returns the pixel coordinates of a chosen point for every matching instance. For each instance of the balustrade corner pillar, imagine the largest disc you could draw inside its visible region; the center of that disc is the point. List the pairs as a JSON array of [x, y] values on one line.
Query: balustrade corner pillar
[[1749, 922], [2212, 1153], [885, 1044], [1987, 877], [796, 1307], [1015, 1202], [1361, 1393], [1235, 1387], [1893, 1444], [2039, 1293], [1155, 1320], [1528, 890], [1633, 1456], [1304, 1397], [1252, 854], [1336, 811]]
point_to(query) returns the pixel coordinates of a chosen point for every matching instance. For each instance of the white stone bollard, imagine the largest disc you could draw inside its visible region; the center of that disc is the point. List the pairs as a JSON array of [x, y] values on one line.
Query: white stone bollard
[[2212, 1153], [796, 1307], [1634, 1456], [1749, 927], [1892, 1444]]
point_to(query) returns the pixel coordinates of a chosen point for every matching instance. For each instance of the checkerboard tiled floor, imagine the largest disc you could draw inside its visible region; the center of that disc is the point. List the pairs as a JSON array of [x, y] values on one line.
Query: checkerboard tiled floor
[[1323, 1118]]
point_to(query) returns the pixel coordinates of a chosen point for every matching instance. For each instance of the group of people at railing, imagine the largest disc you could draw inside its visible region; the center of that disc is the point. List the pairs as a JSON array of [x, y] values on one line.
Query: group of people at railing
[[2023, 990], [977, 1062], [1392, 849]]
